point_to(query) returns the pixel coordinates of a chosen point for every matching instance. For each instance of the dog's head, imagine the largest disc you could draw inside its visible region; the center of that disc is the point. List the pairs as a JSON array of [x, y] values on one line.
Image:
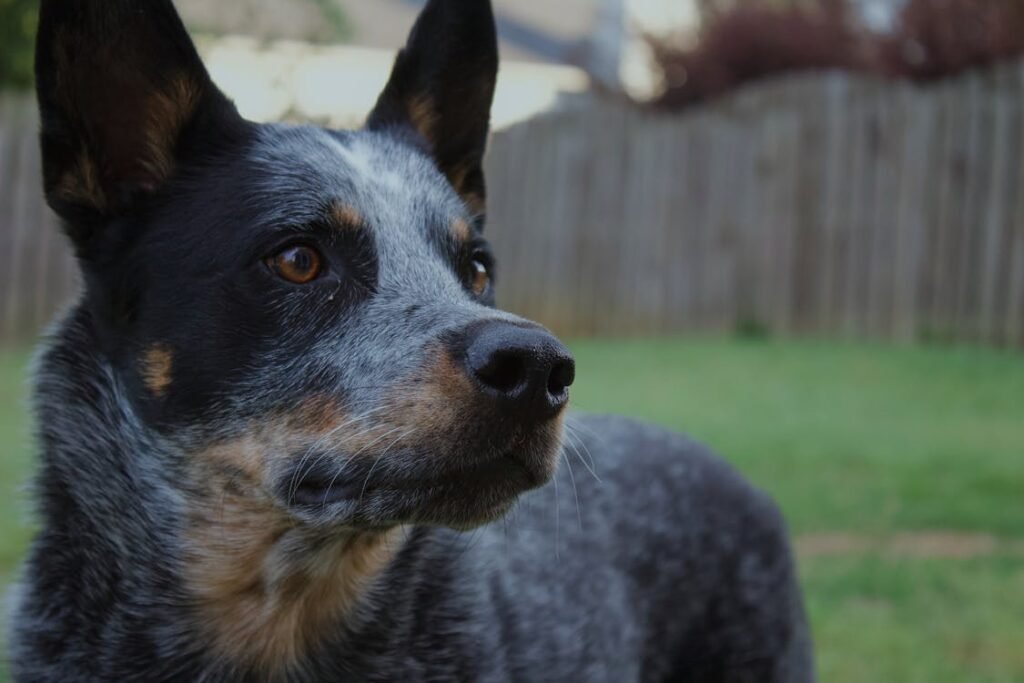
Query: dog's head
[[302, 315]]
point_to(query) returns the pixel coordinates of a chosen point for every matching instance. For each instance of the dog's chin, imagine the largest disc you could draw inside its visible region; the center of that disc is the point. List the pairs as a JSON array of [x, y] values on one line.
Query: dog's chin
[[480, 495], [422, 488], [469, 519]]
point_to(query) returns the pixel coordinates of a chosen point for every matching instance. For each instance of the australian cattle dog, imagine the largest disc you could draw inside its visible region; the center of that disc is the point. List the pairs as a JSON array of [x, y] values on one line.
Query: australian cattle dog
[[285, 435]]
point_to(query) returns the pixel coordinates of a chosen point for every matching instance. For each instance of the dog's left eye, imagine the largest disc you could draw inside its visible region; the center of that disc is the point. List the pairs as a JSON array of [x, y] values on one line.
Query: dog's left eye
[[480, 275], [299, 264]]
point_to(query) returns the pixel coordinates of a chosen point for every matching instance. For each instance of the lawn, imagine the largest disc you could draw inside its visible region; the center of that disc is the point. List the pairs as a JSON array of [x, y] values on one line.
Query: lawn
[[901, 471]]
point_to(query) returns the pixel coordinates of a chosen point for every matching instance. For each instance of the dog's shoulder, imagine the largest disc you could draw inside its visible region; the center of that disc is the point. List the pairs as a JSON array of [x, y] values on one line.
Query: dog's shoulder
[[711, 547], [653, 484], [678, 561]]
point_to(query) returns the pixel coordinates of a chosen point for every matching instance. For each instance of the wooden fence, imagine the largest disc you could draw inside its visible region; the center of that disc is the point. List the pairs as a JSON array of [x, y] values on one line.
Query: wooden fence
[[822, 204], [37, 273]]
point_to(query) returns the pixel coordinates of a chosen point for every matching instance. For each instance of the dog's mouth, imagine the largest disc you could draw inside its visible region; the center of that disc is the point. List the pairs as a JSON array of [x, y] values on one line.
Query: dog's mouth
[[410, 486], [325, 485]]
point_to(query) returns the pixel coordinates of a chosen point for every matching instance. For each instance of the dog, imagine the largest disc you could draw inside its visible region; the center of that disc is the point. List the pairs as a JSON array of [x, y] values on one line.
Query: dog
[[285, 434]]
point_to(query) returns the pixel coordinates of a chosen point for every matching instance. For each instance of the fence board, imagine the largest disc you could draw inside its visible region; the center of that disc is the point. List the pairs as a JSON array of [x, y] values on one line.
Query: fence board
[[992, 243], [910, 226], [9, 126]]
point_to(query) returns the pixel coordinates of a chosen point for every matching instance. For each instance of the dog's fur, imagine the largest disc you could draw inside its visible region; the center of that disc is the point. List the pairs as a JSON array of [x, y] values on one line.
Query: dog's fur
[[247, 479]]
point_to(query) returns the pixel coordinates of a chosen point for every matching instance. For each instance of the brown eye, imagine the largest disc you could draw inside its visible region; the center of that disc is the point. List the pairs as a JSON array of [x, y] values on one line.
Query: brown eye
[[298, 265], [480, 277]]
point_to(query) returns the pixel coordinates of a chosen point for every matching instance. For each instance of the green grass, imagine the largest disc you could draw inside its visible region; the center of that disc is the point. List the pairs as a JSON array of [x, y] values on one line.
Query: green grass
[[848, 437], [14, 468], [14, 462], [917, 621], [860, 439]]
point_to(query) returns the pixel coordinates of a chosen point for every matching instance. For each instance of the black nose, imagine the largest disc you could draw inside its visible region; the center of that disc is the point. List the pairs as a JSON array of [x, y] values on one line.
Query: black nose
[[526, 369]]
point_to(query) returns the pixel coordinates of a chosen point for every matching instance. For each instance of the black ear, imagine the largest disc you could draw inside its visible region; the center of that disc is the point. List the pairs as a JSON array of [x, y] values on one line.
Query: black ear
[[119, 85], [442, 86]]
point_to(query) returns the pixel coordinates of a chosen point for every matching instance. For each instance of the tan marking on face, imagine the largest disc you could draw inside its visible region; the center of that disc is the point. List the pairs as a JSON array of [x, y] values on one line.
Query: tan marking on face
[[460, 229], [274, 438], [155, 368], [435, 406], [435, 401], [317, 415], [345, 217], [423, 117], [265, 588]]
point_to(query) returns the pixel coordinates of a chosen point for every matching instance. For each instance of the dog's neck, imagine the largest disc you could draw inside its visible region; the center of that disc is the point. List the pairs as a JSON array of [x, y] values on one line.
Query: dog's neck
[[224, 572], [266, 589]]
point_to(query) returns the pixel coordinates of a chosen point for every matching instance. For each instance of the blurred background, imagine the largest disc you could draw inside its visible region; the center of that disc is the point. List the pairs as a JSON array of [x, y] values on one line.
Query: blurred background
[[791, 228]]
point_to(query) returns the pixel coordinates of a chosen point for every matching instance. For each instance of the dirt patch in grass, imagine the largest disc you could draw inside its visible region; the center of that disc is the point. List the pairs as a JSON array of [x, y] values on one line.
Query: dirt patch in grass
[[952, 545]]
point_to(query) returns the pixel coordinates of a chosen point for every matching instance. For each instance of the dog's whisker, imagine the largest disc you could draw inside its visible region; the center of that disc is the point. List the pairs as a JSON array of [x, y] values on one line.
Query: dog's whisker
[[580, 447], [377, 461], [299, 475], [345, 464], [580, 429], [578, 443], [554, 480], [575, 491], [352, 458], [321, 455], [296, 478]]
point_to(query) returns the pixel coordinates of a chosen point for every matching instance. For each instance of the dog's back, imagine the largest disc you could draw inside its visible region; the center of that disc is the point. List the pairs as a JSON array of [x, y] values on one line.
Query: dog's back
[[285, 435]]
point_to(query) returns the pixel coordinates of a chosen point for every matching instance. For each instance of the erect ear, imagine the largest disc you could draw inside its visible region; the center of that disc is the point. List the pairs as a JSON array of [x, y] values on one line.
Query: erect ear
[[119, 84], [442, 86]]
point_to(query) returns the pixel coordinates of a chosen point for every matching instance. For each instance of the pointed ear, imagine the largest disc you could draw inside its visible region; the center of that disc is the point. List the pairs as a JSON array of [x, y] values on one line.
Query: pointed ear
[[119, 84], [442, 86]]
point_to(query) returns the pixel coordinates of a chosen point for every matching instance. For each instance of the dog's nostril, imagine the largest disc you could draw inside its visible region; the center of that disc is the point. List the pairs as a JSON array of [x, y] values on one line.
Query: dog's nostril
[[503, 370], [562, 376]]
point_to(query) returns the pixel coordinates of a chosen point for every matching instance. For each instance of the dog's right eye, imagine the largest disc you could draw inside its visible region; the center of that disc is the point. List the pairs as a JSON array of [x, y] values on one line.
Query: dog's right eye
[[298, 264]]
